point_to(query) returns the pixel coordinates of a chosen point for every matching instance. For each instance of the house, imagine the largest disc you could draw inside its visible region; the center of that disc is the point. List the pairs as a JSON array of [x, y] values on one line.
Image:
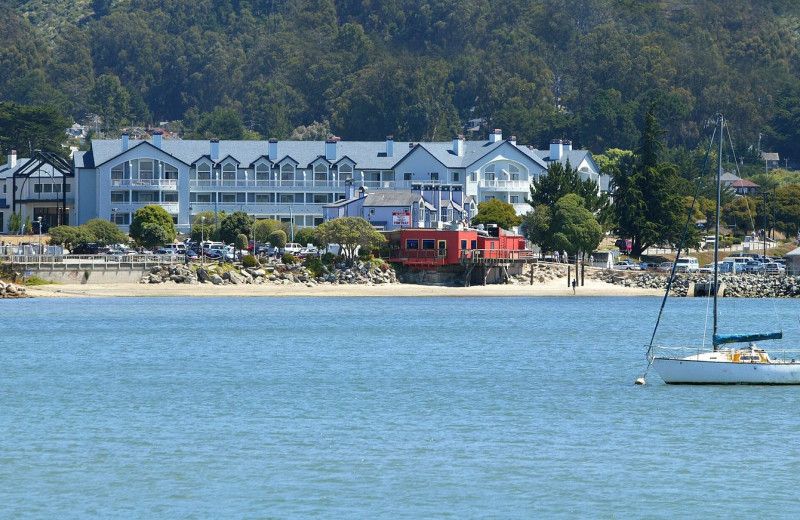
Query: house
[[745, 187], [297, 181]]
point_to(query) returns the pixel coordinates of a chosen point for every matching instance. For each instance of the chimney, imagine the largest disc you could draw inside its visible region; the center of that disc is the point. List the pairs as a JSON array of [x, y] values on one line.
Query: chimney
[[349, 189], [556, 149], [330, 148], [157, 136], [512, 139], [215, 149], [458, 146], [12, 159], [389, 146], [124, 141], [567, 146], [496, 136], [273, 149]]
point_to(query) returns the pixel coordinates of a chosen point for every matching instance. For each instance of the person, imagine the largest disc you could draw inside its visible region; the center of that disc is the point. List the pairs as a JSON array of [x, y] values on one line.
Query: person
[[565, 256], [574, 284], [555, 257], [591, 260]]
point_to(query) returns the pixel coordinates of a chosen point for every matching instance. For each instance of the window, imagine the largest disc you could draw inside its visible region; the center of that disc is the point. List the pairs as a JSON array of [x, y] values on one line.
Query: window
[[229, 175], [146, 170], [287, 198], [263, 198], [412, 243], [473, 244], [345, 172], [37, 188], [169, 196], [514, 199], [143, 196], [228, 198], [117, 175], [434, 176], [318, 221], [287, 173], [262, 174], [320, 172], [463, 244], [513, 172], [488, 173], [456, 176], [428, 245], [119, 196], [407, 176], [204, 174]]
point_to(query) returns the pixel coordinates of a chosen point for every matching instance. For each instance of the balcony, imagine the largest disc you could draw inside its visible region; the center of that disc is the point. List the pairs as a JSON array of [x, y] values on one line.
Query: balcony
[[139, 183], [504, 185]]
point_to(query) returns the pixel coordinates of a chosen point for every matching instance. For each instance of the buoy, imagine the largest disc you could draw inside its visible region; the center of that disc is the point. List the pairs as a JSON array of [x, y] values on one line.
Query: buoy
[[640, 381]]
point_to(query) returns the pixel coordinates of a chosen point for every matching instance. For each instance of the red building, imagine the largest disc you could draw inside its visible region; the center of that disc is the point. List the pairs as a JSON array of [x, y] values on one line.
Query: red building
[[432, 248]]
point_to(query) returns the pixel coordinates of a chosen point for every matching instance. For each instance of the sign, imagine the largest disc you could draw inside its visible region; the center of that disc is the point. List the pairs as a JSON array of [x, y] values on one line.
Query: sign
[[401, 219]]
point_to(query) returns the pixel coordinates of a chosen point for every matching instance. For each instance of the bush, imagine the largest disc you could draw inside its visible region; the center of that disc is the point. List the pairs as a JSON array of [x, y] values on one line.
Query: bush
[[328, 258], [289, 258], [250, 261], [314, 265]]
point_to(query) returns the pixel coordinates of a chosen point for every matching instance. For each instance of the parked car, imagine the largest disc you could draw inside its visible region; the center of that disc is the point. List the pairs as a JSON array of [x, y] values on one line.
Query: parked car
[[192, 255], [774, 268], [624, 266], [754, 266], [212, 254], [86, 248], [665, 266]]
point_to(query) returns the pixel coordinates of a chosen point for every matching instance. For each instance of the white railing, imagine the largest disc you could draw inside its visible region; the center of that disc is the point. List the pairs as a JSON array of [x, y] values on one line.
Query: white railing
[[169, 183], [504, 185]]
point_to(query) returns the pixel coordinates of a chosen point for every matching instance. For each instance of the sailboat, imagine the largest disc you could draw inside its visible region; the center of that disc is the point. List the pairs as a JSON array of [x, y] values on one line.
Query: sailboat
[[721, 364]]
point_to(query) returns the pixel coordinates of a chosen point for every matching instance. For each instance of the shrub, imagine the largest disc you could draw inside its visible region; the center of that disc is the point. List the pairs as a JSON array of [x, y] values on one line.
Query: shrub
[[314, 265], [249, 261], [288, 258], [328, 258]]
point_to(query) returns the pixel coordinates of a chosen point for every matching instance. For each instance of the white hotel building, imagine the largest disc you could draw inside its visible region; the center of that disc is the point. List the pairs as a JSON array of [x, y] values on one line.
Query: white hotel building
[[284, 180]]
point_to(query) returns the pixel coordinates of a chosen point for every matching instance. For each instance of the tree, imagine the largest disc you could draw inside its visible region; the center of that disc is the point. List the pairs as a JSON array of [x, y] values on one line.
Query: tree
[[110, 101], [536, 227], [647, 207], [264, 228], [66, 236], [278, 238], [157, 216], [562, 180], [105, 232], [304, 236], [574, 228], [237, 223], [241, 242], [203, 226], [495, 211], [15, 223], [349, 233], [153, 234]]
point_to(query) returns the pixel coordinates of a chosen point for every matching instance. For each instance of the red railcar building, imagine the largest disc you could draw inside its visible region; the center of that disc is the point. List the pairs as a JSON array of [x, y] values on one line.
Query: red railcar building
[[436, 249]]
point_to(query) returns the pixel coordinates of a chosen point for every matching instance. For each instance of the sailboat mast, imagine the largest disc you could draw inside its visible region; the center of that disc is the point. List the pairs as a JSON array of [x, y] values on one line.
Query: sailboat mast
[[716, 225]]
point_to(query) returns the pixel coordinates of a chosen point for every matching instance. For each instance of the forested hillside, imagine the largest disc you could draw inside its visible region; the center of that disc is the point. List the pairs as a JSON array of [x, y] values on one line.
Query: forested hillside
[[416, 69]]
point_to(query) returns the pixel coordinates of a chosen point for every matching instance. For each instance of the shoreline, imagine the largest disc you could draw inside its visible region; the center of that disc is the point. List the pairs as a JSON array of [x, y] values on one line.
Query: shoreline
[[552, 288]]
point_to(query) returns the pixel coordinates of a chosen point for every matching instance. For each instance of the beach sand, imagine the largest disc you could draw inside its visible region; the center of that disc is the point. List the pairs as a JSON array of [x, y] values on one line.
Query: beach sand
[[553, 288]]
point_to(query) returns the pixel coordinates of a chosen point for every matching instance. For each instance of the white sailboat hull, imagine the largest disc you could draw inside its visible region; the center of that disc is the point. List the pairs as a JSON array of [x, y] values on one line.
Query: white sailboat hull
[[700, 372]]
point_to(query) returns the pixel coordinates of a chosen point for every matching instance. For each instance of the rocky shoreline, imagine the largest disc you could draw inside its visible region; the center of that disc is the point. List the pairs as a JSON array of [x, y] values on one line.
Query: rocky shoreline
[[276, 274], [10, 291], [733, 286]]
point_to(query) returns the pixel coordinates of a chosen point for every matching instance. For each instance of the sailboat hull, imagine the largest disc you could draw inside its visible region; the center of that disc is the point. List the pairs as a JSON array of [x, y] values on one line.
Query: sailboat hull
[[699, 372]]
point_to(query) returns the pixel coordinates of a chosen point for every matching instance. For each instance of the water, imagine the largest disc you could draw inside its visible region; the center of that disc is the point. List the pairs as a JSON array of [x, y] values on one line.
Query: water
[[379, 408]]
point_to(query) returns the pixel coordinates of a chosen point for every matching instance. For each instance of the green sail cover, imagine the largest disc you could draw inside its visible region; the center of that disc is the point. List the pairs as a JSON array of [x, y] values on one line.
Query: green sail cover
[[720, 339]]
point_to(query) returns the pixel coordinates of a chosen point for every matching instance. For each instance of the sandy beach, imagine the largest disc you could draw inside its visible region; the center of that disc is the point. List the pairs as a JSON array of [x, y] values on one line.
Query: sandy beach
[[553, 288]]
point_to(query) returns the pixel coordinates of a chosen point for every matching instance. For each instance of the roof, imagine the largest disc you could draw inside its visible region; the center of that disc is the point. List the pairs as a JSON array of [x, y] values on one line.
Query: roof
[[744, 183], [367, 155], [391, 199]]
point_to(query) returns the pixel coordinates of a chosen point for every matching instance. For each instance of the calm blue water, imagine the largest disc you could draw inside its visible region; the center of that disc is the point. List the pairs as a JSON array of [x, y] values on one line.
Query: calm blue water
[[379, 408]]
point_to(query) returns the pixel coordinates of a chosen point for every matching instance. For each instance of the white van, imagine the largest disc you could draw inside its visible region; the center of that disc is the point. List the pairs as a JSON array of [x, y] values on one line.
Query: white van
[[292, 247], [687, 265]]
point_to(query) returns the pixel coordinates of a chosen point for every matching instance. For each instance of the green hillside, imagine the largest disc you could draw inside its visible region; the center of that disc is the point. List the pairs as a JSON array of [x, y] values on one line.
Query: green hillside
[[416, 69]]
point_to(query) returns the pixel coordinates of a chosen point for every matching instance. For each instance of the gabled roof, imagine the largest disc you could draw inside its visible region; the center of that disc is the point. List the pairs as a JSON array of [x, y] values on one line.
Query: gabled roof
[[391, 199], [744, 183]]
